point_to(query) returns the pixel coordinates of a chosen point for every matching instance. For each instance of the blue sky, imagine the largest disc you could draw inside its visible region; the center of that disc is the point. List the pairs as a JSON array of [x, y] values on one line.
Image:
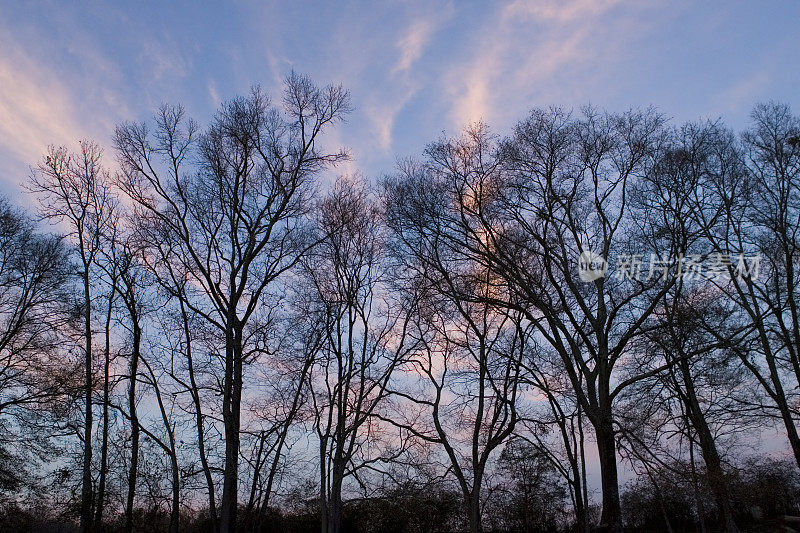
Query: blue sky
[[70, 71]]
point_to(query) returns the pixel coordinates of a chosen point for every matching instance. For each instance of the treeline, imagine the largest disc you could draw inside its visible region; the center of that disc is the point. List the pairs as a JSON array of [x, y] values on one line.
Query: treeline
[[220, 339]]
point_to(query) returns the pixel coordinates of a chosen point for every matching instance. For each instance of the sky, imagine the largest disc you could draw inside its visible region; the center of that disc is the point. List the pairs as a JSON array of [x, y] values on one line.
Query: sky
[[415, 70]]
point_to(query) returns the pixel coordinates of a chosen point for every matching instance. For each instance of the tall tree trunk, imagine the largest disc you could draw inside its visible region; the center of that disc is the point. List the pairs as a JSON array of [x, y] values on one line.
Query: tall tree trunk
[[199, 422], [335, 507], [86, 480], [585, 526], [716, 476], [577, 498], [335, 495], [474, 510], [783, 408], [101, 488], [574, 455], [335, 500], [231, 413], [610, 519], [175, 512], [701, 512], [133, 471]]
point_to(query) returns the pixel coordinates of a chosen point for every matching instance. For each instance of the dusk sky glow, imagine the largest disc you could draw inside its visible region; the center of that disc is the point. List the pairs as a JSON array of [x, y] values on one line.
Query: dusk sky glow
[[414, 69]]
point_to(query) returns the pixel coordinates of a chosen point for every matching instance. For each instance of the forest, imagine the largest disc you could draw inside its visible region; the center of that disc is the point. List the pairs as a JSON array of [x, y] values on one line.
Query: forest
[[586, 323]]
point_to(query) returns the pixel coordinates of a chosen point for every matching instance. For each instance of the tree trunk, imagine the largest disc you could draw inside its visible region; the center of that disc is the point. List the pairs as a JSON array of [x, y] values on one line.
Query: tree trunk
[[86, 480], [574, 455], [199, 422], [231, 413], [716, 476], [474, 510], [783, 407], [791, 430], [716, 480], [335, 500], [701, 512], [577, 498], [175, 513], [585, 526], [101, 489], [611, 517], [133, 471], [335, 509]]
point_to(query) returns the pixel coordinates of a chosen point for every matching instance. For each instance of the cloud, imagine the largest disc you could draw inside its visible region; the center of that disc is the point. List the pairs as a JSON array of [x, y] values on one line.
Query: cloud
[[36, 108], [409, 47], [524, 48], [44, 102], [213, 94], [164, 63], [557, 11], [412, 44]]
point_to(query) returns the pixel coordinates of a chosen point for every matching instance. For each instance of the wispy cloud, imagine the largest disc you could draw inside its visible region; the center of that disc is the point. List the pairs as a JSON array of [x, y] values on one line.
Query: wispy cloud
[[382, 111], [409, 47], [37, 108], [557, 11], [80, 92], [213, 93], [413, 42], [414, 68], [522, 48]]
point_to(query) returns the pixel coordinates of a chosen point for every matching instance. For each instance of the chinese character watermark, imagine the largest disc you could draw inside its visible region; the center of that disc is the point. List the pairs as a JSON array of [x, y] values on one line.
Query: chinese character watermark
[[712, 267]]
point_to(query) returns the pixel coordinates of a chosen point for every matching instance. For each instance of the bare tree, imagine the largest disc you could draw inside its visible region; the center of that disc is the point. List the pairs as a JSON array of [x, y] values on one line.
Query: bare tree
[[701, 399], [499, 303], [235, 220], [361, 342], [469, 362], [33, 281], [562, 416], [751, 223], [108, 264], [131, 289], [702, 375], [34, 371], [567, 198], [74, 191], [556, 190]]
